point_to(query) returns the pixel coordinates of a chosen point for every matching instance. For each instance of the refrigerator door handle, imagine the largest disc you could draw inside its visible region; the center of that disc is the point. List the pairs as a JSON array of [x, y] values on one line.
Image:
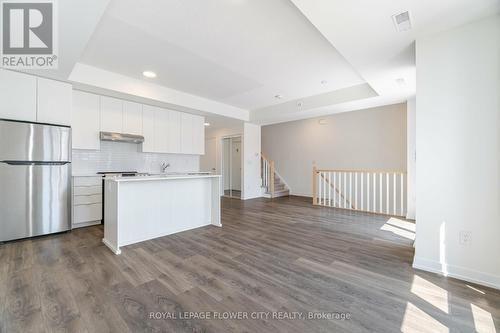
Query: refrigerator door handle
[[35, 162]]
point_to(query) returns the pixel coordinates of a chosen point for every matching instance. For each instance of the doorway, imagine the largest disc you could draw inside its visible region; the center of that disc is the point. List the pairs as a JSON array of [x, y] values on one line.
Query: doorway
[[231, 166]]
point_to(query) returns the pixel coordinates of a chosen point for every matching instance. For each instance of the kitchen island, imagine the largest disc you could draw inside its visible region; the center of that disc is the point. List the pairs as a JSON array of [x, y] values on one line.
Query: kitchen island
[[146, 207]]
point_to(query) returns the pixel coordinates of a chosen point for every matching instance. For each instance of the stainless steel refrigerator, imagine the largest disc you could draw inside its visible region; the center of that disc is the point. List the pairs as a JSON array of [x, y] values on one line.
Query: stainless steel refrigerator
[[35, 179]]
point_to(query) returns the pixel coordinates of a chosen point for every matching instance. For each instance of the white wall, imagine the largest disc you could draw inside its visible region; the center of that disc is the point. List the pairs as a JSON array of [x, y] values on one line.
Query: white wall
[[366, 139], [208, 160], [252, 180], [120, 156], [458, 162], [411, 151]]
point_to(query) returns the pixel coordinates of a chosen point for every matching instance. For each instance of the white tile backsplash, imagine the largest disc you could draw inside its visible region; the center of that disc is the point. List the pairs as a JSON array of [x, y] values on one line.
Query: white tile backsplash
[[120, 156]]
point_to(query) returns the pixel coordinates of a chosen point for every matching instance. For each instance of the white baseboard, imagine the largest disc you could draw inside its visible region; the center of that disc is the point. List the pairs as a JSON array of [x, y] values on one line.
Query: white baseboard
[[85, 224], [410, 216], [116, 251], [251, 197], [307, 195], [457, 272]]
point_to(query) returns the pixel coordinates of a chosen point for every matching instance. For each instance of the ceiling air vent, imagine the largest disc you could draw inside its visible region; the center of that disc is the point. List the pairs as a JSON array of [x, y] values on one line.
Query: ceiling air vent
[[402, 21]]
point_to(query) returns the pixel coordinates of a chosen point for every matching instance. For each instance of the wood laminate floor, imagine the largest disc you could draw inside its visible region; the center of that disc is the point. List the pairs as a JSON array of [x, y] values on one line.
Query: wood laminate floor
[[271, 258], [233, 193]]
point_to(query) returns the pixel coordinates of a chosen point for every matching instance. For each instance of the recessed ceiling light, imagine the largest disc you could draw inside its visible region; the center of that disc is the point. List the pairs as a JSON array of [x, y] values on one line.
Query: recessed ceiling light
[[149, 74], [206, 124], [324, 82], [278, 96], [322, 122]]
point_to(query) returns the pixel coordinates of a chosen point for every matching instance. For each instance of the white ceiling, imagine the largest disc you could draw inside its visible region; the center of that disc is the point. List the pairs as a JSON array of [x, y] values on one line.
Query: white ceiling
[[364, 33], [238, 52], [241, 53], [77, 20]]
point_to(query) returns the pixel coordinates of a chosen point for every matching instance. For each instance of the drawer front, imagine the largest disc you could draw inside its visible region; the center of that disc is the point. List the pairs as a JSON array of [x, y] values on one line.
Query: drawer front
[[86, 213], [87, 181], [87, 190], [87, 199]]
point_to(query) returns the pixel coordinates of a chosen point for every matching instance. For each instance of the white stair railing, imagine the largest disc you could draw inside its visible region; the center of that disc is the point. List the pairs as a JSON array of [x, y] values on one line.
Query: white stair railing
[[268, 172], [375, 191]]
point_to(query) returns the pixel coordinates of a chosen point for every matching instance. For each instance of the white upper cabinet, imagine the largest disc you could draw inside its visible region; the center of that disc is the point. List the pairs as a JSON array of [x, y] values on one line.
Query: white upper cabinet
[[198, 135], [187, 133], [155, 129], [161, 130], [111, 114], [54, 102], [30, 98], [148, 128], [132, 118], [17, 96], [174, 132], [192, 134], [85, 117]]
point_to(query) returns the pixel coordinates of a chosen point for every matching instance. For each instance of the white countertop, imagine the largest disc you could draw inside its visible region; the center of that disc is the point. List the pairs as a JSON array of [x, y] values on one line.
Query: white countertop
[[159, 177], [85, 174]]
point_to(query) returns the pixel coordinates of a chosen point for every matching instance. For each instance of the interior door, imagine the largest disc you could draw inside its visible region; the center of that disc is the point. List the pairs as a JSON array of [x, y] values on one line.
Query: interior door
[[231, 167], [236, 166]]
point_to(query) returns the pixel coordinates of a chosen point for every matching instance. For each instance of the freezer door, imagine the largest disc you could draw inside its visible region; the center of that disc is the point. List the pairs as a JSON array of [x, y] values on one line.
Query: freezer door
[[20, 141], [35, 199]]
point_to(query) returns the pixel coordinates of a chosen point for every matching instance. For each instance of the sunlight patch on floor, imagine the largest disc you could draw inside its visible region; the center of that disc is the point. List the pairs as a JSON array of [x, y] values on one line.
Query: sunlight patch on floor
[[400, 228], [483, 321], [416, 320], [475, 289], [430, 293]]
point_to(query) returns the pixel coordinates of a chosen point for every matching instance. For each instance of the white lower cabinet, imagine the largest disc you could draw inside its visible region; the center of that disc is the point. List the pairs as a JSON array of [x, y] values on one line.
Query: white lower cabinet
[[87, 201]]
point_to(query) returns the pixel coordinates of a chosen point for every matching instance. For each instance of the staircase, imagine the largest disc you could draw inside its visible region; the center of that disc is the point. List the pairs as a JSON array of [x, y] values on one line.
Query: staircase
[[272, 183]]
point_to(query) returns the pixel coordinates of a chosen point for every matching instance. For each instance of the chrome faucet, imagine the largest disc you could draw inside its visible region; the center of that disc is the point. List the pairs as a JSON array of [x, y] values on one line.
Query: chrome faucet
[[164, 166]]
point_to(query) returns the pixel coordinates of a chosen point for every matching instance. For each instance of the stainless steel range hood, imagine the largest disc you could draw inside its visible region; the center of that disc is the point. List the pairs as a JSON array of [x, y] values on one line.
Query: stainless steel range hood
[[121, 137]]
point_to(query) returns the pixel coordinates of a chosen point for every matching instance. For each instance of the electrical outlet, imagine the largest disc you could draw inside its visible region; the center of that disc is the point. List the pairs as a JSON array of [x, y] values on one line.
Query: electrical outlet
[[465, 237]]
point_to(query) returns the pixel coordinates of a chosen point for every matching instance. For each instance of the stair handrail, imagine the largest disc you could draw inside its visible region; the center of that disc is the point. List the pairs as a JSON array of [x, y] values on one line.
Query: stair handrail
[[267, 172]]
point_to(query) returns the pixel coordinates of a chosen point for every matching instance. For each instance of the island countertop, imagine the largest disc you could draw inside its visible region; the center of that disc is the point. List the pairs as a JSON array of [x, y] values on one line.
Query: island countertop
[[160, 177], [145, 207]]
